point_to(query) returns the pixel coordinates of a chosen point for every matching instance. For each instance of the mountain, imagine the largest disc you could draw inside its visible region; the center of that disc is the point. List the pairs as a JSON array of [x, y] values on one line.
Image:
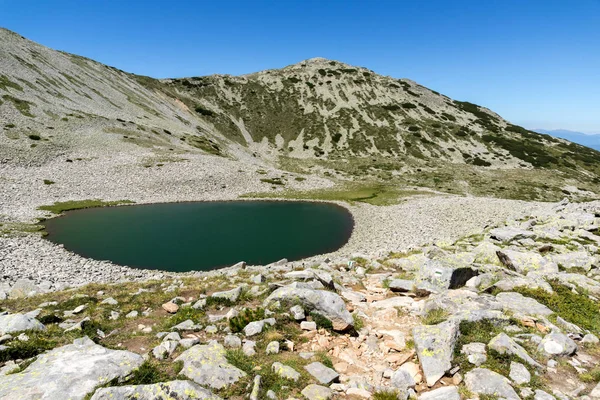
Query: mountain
[[319, 117], [585, 139]]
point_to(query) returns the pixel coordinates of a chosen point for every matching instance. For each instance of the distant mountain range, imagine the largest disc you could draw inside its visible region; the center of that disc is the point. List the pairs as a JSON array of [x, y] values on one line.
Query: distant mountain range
[[585, 139]]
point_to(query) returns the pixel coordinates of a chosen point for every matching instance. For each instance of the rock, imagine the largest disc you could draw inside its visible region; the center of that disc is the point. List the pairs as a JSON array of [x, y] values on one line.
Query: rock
[[358, 392], [518, 373], [508, 234], [232, 341], [110, 301], [187, 325], [272, 347], [258, 279], [475, 352], [170, 307], [9, 367], [541, 395], [11, 323], [434, 345], [188, 342], [212, 329], [524, 262], [557, 344], [232, 295], [440, 275], [443, 393], [207, 366], [199, 305], [248, 348], [255, 388], [504, 344], [69, 372], [180, 390], [326, 303], [485, 253], [285, 371], [256, 327], [577, 259], [132, 314], [114, 315], [322, 373], [317, 392], [590, 338], [23, 288], [403, 380], [595, 393], [484, 381], [165, 349], [517, 303], [297, 313], [308, 325], [401, 285]]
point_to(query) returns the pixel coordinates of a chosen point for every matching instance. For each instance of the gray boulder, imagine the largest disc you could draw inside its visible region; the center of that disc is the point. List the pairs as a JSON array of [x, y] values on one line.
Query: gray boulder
[[443, 393], [285, 371], [576, 259], [508, 234], [10, 323], [434, 345], [232, 295], [326, 303], [524, 262], [322, 373], [504, 344], [256, 327], [207, 366], [557, 344], [317, 392], [484, 381], [165, 349], [541, 395], [519, 373], [517, 303], [69, 372], [401, 285], [180, 390], [402, 379], [23, 288], [442, 275]]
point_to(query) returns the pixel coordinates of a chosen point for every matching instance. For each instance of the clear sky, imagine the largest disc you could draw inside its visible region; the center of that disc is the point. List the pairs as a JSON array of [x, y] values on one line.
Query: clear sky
[[535, 62]]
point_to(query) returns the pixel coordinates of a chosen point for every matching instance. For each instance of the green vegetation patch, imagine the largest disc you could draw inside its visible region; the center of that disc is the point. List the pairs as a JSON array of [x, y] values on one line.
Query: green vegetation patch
[[23, 106], [62, 206], [6, 83], [576, 308]]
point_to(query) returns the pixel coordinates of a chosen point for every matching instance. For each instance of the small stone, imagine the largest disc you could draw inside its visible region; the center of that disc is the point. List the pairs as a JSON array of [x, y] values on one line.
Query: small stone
[[541, 395], [170, 307], [443, 393], [273, 347], [232, 341], [317, 392], [322, 373], [110, 301], [211, 329], [255, 388], [285, 371], [308, 325], [132, 314], [248, 348], [114, 315], [590, 338], [362, 393], [188, 342], [519, 373], [298, 313], [164, 349]]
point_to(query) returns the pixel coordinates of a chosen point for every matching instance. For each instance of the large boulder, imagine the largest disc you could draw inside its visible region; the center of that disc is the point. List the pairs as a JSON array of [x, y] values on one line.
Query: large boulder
[[441, 275], [180, 390], [232, 295], [443, 393], [434, 345], [324, 302], [504, 344], [484, 381], [524, 262], [576, 259], [207, 365], [11, 323], [69, 372], [557, 344], [509, 233], [519, 304]]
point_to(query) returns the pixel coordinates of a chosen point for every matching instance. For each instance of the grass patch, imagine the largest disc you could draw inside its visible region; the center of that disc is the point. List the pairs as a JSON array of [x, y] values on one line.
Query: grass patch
[[435, 316], [273, 181], [62, 206], [321, 321], [576, 308], [22, 106], [48, 182], [376, 194], [237, 324]]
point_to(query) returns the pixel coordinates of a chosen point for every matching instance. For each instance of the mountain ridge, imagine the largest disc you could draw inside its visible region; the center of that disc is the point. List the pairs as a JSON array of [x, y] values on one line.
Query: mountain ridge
[[323, 115]]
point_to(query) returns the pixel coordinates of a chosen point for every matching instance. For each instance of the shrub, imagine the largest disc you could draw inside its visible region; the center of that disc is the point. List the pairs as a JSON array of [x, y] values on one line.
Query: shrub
[[34, 137], [408, 105], [48, 182], [237, 324], [435, 316], [204, 111], [321, 321]]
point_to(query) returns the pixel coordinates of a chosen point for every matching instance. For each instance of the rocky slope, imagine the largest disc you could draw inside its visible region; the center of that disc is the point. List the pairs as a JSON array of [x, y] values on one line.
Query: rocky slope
[[512, 313], [317, 116]]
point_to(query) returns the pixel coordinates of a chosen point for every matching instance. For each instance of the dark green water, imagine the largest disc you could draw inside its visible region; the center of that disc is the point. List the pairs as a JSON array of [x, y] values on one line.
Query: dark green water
[[203, 235]]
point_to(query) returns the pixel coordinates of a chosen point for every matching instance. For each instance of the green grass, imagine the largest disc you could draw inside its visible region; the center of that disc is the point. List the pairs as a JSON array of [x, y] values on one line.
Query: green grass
[[576, 308], [372, 193], [592, 376], [48, 182], [385, 395], [22, 106], [321, 321], [435, 316], [62, 206], [273, 181]]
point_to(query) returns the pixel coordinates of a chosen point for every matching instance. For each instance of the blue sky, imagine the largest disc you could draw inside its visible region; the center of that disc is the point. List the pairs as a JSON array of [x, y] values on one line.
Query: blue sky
[[536, 63]]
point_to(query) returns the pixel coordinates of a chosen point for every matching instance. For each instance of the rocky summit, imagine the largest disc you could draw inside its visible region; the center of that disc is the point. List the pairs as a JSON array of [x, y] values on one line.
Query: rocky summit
[[472, 272]]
